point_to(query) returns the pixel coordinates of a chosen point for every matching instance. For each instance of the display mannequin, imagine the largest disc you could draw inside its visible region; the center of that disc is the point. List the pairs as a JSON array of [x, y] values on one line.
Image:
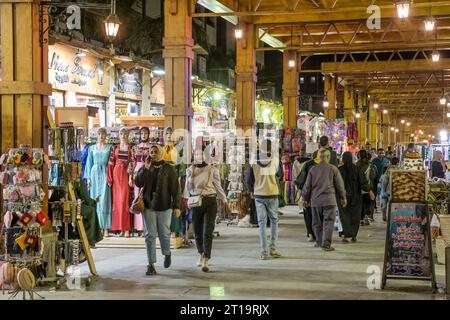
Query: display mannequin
[[140, 152], [170, 151], [119, 181], [96, 172]]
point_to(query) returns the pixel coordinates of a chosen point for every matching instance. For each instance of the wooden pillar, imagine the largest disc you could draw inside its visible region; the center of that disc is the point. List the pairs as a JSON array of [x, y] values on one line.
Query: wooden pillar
[[373, 125], [24, 88], [349, 100], [178, 56], [246, 78], [330, 92], [290, 90], [362, 120]]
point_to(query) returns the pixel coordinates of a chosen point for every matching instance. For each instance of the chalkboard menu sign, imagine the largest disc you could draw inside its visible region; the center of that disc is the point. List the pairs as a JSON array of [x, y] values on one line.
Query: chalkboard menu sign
[[408, 244]]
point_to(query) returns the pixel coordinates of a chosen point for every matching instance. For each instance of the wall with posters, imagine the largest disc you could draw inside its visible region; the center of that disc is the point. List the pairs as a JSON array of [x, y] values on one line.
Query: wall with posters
[[72, 70]]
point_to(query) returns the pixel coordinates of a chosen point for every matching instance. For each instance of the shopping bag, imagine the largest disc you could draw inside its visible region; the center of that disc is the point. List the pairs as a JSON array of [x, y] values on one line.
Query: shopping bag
[[337, 223]]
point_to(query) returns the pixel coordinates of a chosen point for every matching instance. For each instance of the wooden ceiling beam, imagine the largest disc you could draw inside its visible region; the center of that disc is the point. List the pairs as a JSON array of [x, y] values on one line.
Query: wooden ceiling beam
[[405, 66]]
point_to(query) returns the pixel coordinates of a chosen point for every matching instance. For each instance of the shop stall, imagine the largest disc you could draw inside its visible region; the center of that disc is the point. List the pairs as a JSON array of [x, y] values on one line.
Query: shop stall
[[80, 86]]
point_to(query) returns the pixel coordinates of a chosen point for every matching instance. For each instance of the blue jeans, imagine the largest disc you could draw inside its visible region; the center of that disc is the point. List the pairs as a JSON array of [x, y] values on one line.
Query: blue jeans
[[157, 222], [267, 207], [384, 204]]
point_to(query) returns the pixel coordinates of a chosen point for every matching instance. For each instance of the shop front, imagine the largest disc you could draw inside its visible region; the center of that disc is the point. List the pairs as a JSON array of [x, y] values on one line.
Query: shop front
[[80, 89], [128, 93]]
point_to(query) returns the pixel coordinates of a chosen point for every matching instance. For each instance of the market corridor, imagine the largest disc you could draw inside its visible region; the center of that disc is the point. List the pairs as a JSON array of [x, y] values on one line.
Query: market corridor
[[237, 273]]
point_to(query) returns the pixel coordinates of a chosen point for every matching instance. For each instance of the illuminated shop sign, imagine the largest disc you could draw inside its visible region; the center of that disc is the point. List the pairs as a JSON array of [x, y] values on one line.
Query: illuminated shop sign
[[73, 70]]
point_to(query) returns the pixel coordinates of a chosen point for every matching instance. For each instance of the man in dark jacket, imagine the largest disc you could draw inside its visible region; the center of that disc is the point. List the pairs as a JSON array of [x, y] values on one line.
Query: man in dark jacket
[[161, 195], [307, 212], [324, 143]]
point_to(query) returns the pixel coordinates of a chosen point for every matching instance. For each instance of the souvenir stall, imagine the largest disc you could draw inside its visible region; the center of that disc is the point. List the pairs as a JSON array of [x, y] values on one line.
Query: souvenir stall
[[293, 146], [307, 122], [24, 215], [75, 228]]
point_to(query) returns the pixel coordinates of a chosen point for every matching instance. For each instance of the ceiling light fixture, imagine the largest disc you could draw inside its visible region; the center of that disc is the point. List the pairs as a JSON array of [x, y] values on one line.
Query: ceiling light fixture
[[326, 103], [435, 56], [402, 7]]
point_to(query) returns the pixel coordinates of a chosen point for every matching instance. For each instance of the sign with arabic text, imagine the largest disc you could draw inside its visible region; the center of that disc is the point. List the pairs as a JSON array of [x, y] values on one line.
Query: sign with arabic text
[[408, 247]]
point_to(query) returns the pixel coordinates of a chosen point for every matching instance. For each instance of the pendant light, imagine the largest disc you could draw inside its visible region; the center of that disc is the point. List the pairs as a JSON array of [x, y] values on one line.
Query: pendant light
[[435, 56], [112, 22], [430, 21], [326, 103], [238, 31], [402, 7], [443, 100], [291, 61]]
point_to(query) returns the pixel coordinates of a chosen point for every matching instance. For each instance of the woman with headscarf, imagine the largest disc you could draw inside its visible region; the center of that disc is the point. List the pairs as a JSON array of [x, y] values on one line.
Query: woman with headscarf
[[355, 182], [139, 153], [161, 198], [370, 172]]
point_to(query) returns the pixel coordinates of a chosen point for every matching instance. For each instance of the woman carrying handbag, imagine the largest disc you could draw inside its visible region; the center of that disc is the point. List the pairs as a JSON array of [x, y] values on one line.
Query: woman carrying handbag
[[203, 187]]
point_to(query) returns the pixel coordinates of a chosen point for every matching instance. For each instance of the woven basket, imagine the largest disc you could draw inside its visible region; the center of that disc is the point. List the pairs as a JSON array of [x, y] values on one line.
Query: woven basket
[[444, 221], [440, 249]]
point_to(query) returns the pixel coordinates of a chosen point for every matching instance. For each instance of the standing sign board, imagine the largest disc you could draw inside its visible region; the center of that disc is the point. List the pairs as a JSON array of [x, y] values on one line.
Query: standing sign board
[[408, 250]]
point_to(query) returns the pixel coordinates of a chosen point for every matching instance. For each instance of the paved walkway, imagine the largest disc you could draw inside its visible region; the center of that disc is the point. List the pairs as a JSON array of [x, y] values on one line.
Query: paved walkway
[[305, 272]]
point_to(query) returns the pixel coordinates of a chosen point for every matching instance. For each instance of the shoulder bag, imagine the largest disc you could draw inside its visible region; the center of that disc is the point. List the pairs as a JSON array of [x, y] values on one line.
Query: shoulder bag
[[137, 207], [196, 201]]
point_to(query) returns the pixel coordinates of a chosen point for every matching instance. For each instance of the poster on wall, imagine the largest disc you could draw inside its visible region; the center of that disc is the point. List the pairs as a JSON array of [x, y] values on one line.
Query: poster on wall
[[408, 251]]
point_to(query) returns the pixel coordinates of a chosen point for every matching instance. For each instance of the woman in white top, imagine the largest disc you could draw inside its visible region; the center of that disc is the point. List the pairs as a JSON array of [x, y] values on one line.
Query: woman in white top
[[203, 180]]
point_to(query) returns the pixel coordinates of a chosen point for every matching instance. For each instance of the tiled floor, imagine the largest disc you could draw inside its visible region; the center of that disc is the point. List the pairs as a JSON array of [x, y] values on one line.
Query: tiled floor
[[237, 273]]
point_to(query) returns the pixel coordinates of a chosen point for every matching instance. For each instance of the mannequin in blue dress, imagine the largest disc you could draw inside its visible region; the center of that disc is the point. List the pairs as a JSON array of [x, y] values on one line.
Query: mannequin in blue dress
[[96, 174]]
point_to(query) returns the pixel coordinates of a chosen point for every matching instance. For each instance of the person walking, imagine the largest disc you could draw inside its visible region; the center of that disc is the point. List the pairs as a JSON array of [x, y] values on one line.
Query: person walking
[[262, 181], [203, 180], [323, 184], [307, 212], [324, 143], [438, 165], [367, 197], [161, 195], [355, 182], [380, 162]]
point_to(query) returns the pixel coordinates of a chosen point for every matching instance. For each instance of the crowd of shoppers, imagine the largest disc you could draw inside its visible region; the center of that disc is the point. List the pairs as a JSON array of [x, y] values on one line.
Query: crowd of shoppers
[[328, 187]]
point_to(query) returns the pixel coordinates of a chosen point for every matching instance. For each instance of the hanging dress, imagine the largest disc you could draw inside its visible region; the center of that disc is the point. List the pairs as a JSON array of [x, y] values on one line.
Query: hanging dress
[[97, 171], [139, 154], [118, 178]]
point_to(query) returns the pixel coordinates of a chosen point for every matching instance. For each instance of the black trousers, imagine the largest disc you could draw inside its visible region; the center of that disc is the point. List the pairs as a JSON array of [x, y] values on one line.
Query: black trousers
[[307, 215], [204, 220], [368, 206]]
